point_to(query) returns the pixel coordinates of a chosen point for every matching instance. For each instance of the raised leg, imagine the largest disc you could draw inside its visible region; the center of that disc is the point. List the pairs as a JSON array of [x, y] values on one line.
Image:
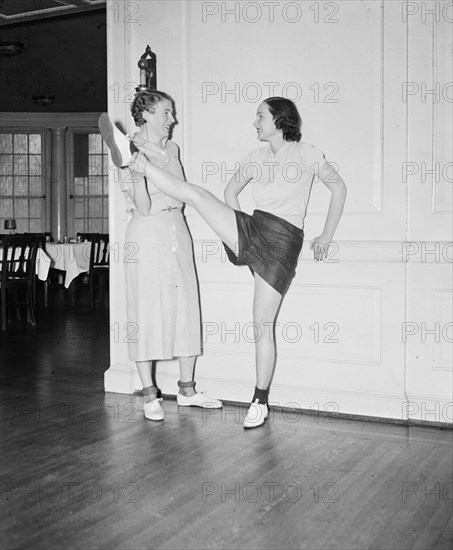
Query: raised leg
[[220, 217]]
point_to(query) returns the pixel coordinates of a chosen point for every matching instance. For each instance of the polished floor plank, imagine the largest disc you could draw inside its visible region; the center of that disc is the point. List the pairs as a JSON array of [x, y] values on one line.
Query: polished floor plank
[[84, 469]]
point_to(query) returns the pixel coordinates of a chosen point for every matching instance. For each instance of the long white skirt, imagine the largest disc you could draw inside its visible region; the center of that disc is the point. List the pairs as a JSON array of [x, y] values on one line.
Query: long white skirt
[[162, 289]]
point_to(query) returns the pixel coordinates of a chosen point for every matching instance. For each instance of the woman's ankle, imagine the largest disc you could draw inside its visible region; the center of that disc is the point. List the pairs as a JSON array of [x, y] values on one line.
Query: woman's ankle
[[187, 388], [262, 396], [149, 393]]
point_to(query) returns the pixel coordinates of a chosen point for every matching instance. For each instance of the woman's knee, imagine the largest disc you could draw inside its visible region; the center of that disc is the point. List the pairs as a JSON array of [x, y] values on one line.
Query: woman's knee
[[264, 320], [264, 331], [264, 313]]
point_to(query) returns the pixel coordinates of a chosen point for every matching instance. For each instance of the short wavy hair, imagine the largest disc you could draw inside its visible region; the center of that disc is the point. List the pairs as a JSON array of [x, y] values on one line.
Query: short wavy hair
[[145, 101], [286, 117]]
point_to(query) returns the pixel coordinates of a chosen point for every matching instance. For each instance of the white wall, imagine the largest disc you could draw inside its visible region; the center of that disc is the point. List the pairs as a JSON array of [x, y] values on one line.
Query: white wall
[[351, 336]]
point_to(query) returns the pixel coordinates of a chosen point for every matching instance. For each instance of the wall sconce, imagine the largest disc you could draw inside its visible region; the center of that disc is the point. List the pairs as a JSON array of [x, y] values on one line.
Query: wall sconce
[[10, 225], [148, 71]]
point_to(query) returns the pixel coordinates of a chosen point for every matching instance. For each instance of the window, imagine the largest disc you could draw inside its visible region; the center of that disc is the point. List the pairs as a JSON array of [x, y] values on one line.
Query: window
[[22, 186], [90, 183]]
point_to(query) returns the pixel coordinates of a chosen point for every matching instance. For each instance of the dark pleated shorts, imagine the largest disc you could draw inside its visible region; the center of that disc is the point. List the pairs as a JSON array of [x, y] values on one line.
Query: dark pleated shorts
[[269, 246]]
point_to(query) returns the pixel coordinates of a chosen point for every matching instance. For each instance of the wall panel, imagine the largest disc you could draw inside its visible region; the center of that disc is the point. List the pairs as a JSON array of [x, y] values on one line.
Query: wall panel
[[349, 66]]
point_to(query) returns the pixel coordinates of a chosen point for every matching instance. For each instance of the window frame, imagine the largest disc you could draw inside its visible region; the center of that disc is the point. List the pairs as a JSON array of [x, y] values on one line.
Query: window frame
[[70, 182], [45, 173]]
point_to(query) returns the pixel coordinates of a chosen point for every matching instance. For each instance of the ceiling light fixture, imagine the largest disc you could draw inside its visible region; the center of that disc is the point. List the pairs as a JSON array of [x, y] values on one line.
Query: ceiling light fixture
[[10, 49]]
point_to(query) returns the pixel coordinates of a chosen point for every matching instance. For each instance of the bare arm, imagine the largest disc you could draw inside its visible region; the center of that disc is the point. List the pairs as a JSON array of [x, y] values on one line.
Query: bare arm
[[234, 187], [333, 181], [139, 192]]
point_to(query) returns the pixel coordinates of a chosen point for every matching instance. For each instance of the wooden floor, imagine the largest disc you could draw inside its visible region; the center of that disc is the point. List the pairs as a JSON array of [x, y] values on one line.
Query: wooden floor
[[82, 469]]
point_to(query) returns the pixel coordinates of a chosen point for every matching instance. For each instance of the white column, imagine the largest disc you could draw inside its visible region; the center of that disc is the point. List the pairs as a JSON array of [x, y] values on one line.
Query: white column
[[121, 376], [58, 210]]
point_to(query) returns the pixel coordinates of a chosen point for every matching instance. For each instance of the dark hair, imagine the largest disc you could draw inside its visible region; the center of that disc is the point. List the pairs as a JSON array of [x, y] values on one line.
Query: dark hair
[[145, 101], [286, 117]]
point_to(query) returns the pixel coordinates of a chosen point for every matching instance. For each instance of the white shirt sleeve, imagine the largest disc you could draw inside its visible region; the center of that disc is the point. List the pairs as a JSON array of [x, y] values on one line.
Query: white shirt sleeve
[[312, 158]]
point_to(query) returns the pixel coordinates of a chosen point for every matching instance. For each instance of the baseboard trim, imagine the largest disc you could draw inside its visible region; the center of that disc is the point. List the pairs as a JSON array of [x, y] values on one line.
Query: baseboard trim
[[335, 415]]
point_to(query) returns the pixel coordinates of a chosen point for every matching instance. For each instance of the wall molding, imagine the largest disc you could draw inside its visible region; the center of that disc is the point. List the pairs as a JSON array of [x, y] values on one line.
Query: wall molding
[[397, 252], [441, 114], [301, 347], [48, 120], [378, 104]]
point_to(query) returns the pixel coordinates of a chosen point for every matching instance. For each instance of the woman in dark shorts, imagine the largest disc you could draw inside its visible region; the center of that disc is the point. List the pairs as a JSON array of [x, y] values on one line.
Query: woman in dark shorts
[[269, 241]]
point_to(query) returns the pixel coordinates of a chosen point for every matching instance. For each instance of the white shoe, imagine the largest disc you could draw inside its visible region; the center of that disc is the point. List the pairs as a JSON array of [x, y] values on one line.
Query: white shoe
[[198, 400], [153, 410], [256, 415], [119, 144]]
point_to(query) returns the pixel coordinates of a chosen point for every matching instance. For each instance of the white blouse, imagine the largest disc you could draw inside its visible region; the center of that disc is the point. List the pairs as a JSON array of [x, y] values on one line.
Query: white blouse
[[166, 158], [282, 182]]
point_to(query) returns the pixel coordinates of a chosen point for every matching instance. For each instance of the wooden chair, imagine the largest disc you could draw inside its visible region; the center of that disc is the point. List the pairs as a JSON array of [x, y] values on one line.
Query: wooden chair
[[99, 264], [18, 273], [98, 274], [55, 279], [86, 236], [41, 238]]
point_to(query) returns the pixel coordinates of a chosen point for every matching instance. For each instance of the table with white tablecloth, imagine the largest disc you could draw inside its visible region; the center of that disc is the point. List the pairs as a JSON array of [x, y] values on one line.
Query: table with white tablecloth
[[73, 258]]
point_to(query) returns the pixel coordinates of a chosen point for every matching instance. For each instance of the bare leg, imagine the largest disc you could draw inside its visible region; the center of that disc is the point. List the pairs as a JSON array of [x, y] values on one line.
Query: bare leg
[[186, 373], [266, 303], [220, 217], [144, 371]]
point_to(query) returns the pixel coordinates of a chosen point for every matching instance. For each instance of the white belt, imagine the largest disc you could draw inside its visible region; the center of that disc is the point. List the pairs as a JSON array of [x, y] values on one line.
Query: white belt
[[168, 209]]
